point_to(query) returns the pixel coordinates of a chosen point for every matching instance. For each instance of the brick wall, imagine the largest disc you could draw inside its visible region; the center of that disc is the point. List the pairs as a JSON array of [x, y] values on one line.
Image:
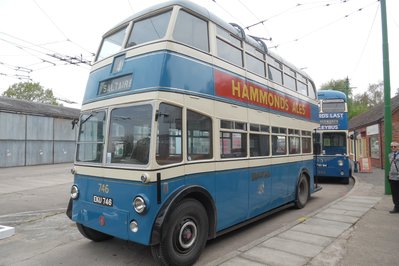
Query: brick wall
[[395, 132]]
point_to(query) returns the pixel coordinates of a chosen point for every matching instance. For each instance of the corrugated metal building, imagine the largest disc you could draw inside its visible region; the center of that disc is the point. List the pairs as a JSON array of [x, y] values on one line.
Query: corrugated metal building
[[35, 133]]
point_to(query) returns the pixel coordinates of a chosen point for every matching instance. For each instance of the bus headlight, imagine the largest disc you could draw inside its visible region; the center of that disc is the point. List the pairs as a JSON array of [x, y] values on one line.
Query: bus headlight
[[139, 205], [74, 192], [134, 226], [340, 163]]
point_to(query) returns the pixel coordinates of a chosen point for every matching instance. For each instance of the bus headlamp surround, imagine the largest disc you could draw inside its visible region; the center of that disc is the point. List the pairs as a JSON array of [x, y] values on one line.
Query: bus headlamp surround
[[340, 163], [74, 192], [139, 204]]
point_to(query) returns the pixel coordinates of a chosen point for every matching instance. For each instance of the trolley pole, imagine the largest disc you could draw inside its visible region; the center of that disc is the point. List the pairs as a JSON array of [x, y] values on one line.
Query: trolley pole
[[387, 96]]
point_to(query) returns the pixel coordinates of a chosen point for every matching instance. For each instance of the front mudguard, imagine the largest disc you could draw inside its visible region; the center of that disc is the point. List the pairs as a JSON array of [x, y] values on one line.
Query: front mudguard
[[69, 209]]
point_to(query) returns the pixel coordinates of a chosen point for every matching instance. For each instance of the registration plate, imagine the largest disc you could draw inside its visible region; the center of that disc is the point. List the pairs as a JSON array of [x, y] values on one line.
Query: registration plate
[[103, 201]]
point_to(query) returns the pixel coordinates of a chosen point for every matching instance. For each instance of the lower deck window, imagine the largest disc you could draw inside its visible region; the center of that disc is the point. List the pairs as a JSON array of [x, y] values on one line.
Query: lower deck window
[[233, 144], [199, 136], [169, 138], [279, 145], [294, 145], [259, 145], [306, 145]]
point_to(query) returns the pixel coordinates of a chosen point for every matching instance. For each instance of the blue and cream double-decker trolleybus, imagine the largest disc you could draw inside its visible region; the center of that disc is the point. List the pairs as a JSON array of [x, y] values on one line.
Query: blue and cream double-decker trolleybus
[[189, 128], [331, 139]]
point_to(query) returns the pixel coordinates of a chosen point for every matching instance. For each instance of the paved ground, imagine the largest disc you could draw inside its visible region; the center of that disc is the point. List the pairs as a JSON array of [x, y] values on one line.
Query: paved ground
[[356, 229]]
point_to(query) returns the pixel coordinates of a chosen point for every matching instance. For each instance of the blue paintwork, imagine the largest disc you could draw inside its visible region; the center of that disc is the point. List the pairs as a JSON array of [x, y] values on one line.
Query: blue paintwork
[[238, 195], [168, 71], [331, 94], [327, 166]]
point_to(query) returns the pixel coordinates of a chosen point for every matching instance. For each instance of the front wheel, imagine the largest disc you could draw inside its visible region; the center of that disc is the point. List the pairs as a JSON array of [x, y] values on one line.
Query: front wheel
[[302, 192], [184, 235], [92, 234]]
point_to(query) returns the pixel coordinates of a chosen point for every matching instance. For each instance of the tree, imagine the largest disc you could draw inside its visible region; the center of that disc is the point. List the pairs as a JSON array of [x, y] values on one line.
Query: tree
[[360, 104], [30, 91], [375, 93], [338, 85]]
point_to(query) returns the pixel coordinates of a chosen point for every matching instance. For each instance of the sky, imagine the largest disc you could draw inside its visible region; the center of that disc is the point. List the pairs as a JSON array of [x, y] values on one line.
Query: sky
[[54, 41]]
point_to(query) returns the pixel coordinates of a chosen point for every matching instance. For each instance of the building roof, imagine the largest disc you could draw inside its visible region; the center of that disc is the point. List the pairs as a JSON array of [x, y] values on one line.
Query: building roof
[[11, 105], [374, 115]]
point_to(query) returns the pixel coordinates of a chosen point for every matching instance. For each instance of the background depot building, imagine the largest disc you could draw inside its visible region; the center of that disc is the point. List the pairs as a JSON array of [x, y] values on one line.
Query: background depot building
[[367, 129], [35, 133]]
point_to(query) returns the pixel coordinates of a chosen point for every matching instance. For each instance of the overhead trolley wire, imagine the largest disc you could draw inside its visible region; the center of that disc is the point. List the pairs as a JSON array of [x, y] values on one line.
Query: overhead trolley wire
[[326, 25], [298, 5], [61, 31], [367, 40]]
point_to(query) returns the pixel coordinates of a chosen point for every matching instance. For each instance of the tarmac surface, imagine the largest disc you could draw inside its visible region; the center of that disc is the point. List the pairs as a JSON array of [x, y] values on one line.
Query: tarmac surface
[[356, 229]]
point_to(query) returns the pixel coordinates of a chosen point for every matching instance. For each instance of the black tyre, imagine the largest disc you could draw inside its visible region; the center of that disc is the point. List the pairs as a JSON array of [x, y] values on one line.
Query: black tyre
[[302, 192], [92, 234], [184, 235], [345, 181]]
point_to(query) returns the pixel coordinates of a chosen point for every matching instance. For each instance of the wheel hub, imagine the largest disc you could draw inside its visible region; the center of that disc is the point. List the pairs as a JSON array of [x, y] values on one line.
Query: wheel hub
[[187, 234]]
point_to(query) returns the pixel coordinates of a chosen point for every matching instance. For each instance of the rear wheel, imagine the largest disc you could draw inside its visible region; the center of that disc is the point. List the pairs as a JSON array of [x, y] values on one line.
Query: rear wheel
[[302, 192], [184, 235], [92, 234]]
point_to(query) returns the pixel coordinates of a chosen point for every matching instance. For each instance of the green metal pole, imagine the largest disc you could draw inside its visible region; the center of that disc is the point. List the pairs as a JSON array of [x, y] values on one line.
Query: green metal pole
[[387, 95]]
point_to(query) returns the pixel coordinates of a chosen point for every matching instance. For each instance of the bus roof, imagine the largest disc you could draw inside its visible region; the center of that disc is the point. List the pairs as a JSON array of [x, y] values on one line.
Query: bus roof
[[331, 94], [202, 11]]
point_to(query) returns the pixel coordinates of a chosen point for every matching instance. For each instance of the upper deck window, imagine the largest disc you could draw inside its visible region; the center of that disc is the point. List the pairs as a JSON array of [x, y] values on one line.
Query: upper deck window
[[312, 90], [333, 106], [149, 29], [274, 69], [255, 65], [112, 44], [290, 82], [192, 31], [302, 88], [229, 47]]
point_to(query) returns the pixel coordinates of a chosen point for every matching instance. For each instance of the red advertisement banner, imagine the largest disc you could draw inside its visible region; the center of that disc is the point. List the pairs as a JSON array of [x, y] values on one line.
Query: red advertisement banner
[[235, 88]]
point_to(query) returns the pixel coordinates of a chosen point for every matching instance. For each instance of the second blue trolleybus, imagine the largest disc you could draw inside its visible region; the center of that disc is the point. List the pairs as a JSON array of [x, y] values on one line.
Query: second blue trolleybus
[[189, 128], [331, 139]]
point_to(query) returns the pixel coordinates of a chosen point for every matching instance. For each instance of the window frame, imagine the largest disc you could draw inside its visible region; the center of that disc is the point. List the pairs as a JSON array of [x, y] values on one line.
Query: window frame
[[279, 132], [229, 40], [189, 154], [228, 139], [207, 50], [259, 130], [171, 158], [134, 22]]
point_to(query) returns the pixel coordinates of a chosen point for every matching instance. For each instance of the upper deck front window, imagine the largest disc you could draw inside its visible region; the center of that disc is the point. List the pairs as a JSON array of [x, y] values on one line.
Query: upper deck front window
[[112, 44], [333, 106], [149, 29]]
